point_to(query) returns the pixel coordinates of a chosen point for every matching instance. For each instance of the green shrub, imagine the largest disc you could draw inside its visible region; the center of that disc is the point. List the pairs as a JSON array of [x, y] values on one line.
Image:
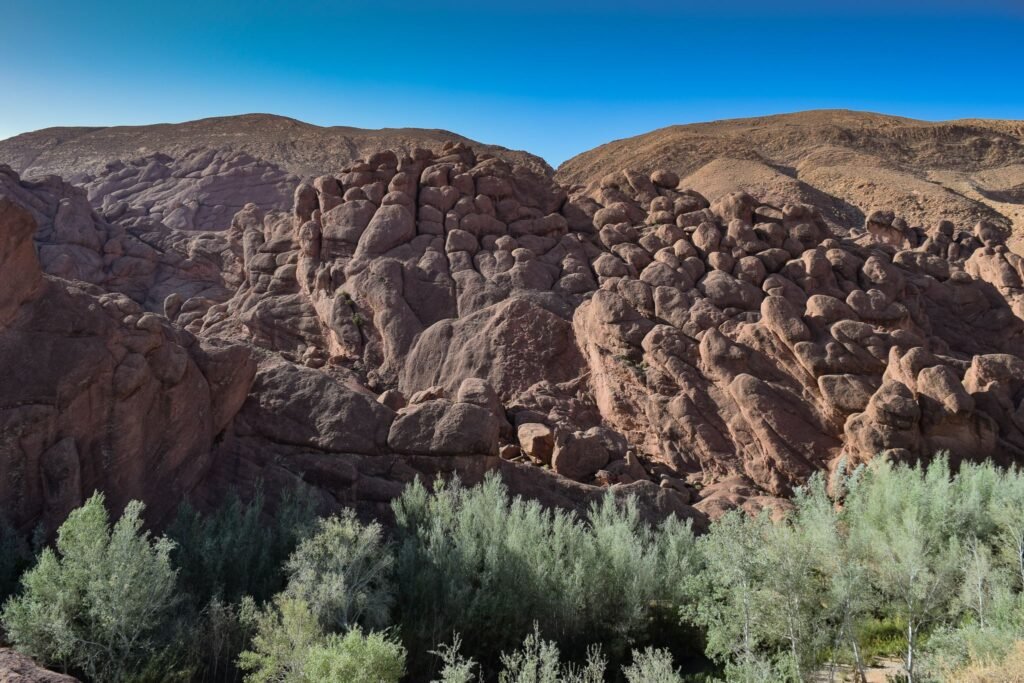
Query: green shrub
[[455, 667], [234, 551], [103, 602], [652, 666], [221, 631], [477, 562], [538, 661], [356, 658], [290, 646], [286, 630], [343, 572]]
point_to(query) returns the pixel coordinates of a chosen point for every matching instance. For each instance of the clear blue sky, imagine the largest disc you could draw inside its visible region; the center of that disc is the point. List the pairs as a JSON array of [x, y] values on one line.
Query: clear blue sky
[[552, 77]]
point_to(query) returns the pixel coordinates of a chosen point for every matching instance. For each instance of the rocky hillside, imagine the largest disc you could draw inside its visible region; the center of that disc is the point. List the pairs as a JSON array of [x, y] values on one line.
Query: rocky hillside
[[197, 175], [845, 163], [444, 310]]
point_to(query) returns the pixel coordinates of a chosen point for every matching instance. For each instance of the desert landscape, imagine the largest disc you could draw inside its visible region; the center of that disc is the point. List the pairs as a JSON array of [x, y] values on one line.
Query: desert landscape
[[198, 320], [683, 391]]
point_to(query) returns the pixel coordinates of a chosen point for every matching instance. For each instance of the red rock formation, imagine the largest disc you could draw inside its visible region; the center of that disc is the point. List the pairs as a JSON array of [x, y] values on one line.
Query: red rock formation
[[430, 313], [98, 394]]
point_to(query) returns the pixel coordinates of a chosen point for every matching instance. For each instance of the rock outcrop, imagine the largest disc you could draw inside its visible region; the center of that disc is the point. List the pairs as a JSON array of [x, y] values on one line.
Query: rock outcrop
[[197, 175], [658, 339], [145, 261], [422, 313], [99, 394], [17, 668], [846, 163]]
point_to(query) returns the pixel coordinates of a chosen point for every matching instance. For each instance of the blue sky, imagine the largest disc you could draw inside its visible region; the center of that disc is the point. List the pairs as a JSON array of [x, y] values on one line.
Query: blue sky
[[552, 77]]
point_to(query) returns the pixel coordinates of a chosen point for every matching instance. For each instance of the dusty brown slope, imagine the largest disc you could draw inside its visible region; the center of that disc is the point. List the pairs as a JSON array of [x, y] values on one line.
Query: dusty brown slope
[[197, 175], [299, 148], [841, 161]]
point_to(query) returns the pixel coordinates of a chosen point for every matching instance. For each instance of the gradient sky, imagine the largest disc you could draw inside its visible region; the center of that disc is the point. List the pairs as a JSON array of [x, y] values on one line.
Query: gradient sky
[[555, 78]]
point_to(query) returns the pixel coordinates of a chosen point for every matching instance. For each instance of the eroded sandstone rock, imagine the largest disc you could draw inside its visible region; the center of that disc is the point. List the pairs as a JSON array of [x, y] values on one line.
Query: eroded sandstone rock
[[635, 335]]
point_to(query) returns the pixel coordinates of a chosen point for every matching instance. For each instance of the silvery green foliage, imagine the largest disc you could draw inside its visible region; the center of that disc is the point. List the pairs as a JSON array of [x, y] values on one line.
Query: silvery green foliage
[[652, 666], [911, 523], [286, 631], [356, 657], [233, 551], [455, 667], [290, 646], [344, 572], [935, 551], [478, 562], [103, 601], [538, 661]]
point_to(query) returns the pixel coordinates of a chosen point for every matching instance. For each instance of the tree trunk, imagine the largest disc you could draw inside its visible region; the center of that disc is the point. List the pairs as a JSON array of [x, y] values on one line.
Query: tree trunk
[[910, 651], [862, 677]]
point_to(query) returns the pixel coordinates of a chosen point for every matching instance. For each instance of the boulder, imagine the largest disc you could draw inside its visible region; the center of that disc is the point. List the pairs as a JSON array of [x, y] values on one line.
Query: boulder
[[537, 441], [440, 427], [580, 455]]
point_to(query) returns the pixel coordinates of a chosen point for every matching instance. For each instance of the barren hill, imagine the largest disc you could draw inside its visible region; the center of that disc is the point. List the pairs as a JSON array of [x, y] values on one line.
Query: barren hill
[[299, 148], [844, 162], [197, 175]]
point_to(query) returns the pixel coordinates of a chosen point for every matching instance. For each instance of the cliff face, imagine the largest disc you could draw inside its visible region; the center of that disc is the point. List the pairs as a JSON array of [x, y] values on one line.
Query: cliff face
[[426, 312], [98, 394]]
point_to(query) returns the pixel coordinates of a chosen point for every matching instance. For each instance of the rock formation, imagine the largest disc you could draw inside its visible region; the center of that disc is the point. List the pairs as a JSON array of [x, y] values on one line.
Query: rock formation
[[845, 163], [97, 393], [622, 340], [17, 668], [197, 175], [425, 312]]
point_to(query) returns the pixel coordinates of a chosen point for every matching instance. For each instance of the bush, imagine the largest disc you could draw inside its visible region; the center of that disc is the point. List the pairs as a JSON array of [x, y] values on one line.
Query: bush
[[475, 561], [1006, 669], [286, 630], [289, 646], [234, 551], [221, 631], [456, 668], [356, 658], [344, 573], [538, 661], [652, 666], [104, 602], [918, 561]]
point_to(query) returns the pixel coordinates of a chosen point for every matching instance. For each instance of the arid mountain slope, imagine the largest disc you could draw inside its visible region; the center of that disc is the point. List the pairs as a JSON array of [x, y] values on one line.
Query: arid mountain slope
[[297, 147], [843, 162], [197, 175]]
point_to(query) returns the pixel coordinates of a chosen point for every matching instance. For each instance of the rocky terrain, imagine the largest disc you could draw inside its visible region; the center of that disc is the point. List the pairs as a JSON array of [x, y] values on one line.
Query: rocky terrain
[[421, 311], [845, 163], [17, 668], [197, 175]]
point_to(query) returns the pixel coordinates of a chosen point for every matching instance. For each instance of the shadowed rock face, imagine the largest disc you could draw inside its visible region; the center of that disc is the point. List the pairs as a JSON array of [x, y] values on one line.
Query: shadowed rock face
[[434, 312], [98, 394]]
